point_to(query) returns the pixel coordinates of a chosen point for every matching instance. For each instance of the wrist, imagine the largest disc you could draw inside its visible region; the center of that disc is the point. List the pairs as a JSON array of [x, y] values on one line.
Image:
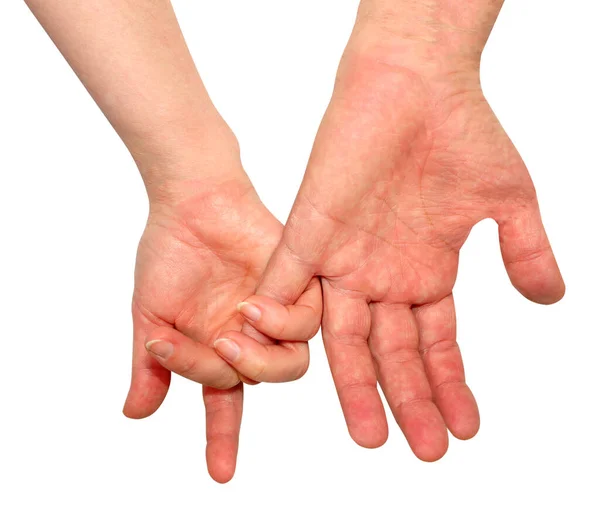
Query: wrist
[[431, 38], [202, 160]]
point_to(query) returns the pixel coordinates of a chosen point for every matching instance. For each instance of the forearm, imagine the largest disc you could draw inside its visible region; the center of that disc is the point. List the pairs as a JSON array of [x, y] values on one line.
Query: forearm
[[132, 58], [434, 31]]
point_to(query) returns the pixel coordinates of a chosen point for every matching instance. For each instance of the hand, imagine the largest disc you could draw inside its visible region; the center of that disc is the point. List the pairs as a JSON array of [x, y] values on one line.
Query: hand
[[208, 236], [405, 163], [202, 253]]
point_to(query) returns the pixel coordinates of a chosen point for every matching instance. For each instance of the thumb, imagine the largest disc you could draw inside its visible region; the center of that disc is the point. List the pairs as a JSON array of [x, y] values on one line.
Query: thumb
[[528, 256], [286, 277], [297, 322], [287, 282]]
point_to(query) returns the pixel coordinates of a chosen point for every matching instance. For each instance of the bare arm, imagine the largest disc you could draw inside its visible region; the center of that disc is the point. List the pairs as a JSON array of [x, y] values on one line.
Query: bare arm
[[132, 58], [208, 236]]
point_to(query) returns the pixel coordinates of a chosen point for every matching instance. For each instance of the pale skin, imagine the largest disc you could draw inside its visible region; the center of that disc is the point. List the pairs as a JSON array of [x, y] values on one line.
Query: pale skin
[[408, 158], [208, 237]]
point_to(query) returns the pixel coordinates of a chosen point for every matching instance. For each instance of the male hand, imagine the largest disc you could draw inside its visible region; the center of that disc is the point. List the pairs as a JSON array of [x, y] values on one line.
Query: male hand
[[408, 159]]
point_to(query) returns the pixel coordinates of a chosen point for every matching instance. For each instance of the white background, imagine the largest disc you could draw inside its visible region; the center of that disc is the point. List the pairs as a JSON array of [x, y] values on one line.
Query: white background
[[72, 208]]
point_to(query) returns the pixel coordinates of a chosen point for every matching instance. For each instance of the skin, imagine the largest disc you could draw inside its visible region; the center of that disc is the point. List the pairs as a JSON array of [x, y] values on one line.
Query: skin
[[208, 237], [408, 159], [197, 259]]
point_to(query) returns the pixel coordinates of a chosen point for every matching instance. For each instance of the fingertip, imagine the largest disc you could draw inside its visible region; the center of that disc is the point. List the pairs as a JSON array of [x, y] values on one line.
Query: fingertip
[[263, 363], [431, 453], [161, 335], [425, 430], [138, 411], [223, 421], [221, 473], [243, 354], [250, 311], [296, 322], [529, 259], [545, 294], [265, 315], [466, 430], [228, 348], [432, 449], [539, 280], [465, 427], [150, 381], [459, 410], [221, 477], [365, 417], [136, 414], [132, 412], [221, 461], [176, 352], [147, 393], [370, 436]]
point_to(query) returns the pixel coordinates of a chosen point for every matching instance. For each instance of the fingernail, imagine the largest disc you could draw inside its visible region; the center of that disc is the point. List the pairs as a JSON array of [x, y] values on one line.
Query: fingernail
[[228, 349], [249, 311], [160, 348]]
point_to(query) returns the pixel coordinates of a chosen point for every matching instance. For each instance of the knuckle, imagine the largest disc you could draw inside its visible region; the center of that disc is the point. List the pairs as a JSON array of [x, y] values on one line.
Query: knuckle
[[279, 326], [187, 368], [258, 370], [355, 384], [303, 368], [529, 255], [442, 346], [399, 406]]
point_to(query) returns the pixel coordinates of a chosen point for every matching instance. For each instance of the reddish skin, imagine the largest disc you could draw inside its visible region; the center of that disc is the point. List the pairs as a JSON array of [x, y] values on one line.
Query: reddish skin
[[198, 258], [208, 237], [405, 163]]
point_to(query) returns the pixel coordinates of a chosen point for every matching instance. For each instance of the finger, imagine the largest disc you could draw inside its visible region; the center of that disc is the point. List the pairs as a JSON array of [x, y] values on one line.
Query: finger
[[223, 422], [297, 322], [149, 380], [263, 362], [528, 257], [394, 343], [346, 327], [444, 365], [192, 360], [285, 279]]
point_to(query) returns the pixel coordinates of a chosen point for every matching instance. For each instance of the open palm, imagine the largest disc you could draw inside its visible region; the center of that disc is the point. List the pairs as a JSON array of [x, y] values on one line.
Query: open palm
[[401, 170]]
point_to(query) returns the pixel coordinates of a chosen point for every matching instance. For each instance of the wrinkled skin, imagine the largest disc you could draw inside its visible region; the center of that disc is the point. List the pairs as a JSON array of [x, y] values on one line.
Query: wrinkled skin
[[404, 165], [199, 256]]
